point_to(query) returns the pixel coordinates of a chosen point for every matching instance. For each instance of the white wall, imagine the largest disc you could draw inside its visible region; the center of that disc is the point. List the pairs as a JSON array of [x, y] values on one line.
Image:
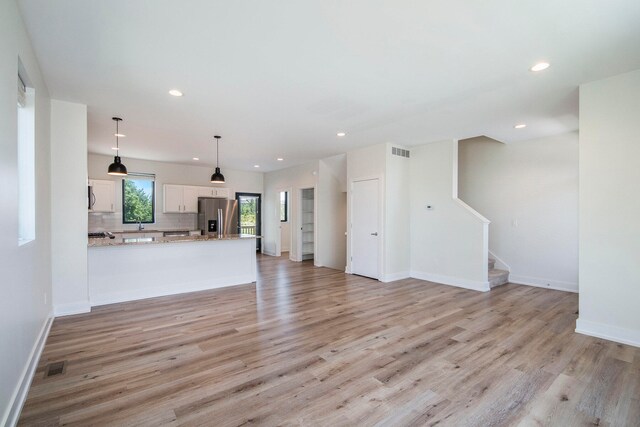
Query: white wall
[[285, 234], [367, 163], [529, 192], [25, 306], [397, 260], [166, 173], [69, 207], [610, 209], [293, 178], [448, 243], [332, 213]]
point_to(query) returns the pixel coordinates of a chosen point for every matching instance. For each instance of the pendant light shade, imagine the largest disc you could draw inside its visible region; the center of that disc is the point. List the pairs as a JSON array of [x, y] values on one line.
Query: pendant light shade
[[217, 177], [117, 168]]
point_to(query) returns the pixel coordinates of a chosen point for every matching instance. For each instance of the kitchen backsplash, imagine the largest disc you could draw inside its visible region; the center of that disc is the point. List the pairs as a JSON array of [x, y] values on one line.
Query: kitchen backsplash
[[113, 222]]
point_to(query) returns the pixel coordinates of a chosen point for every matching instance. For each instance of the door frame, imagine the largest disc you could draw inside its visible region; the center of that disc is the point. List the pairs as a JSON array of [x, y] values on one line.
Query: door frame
[[278, 240], [258, 216], [299, 224], [381, 230]]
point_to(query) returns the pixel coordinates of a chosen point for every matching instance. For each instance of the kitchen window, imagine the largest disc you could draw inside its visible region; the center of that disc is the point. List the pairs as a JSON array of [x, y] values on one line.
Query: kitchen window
[[284, 206], [138, 199]]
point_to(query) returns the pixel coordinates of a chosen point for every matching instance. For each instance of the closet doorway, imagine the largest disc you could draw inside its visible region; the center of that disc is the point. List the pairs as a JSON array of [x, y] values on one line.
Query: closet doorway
[[307, 224]]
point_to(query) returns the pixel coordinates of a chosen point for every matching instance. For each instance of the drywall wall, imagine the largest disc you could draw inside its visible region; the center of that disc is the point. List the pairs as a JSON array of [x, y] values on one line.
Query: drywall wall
[[25, 306], [397, 216], [332, 213], [610, 209], [449, 241], [367, 163], [377, 161], [293, 179], [68, 207], [285, 235], [529, 192], [166, 173]]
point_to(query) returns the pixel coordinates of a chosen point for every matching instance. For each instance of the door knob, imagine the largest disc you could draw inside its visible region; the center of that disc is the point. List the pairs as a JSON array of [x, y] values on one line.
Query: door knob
[[374, 234]]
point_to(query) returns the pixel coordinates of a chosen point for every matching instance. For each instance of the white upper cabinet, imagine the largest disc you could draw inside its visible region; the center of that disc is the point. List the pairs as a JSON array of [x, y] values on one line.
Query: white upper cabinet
[[181, 198], [206, 192], [173, 198], [190, 199], [213, 192], [221, 192], [102, 196]]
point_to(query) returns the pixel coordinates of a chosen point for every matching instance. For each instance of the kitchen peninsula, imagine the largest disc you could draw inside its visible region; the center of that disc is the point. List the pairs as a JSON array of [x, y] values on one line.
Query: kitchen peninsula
[[126, 269]]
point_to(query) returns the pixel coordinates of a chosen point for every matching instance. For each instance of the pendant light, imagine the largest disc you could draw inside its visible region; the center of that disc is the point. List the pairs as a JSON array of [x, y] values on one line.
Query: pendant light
[[117, 168], [217, 177]]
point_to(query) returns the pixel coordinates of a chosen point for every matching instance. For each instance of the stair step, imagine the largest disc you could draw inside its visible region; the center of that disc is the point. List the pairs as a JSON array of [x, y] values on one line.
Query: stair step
[[492, 264], [498, 277]]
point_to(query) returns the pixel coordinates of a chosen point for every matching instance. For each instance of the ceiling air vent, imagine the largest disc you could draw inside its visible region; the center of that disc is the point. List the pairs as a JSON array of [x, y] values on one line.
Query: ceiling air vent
[[400, 152]]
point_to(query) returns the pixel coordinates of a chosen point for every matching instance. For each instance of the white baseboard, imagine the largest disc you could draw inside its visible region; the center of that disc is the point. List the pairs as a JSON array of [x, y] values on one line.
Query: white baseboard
[[392, 277], [265, 252], [608, 332], [70, 309], [558, 285], [195, 286], [19, 396], [475, 285]]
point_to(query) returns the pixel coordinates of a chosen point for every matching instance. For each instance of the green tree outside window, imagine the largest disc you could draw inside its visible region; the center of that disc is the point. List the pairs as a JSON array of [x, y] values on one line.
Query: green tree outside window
[[138, 201]]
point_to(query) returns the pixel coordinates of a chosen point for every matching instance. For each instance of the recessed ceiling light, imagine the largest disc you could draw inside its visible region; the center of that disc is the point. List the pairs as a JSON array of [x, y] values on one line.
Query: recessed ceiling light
[[175, 92], [114, 148], [520, 126], [196, 158], [256, 166], [540, 66], [279, 159], [341, 134], [119, 135]]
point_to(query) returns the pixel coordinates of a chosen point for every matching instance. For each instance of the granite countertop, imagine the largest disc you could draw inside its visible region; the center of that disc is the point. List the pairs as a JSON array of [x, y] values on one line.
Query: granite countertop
[[119, 241]]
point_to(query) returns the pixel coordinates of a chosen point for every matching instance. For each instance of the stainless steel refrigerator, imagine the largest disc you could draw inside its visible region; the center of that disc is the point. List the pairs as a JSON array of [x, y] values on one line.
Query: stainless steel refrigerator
[[216, 215]]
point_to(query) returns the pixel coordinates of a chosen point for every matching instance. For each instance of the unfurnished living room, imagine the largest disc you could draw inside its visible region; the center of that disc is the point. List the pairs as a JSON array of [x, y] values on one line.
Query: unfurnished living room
[[320, 213]]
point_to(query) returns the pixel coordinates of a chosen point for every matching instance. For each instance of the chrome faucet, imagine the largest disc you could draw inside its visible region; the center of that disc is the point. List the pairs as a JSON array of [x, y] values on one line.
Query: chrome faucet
[[140, 226]]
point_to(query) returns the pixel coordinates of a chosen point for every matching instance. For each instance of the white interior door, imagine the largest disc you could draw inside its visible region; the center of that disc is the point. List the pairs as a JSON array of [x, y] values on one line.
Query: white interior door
[[365, 241]]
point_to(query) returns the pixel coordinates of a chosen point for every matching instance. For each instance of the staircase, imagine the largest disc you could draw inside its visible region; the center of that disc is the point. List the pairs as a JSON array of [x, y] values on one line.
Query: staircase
[[497, 277]]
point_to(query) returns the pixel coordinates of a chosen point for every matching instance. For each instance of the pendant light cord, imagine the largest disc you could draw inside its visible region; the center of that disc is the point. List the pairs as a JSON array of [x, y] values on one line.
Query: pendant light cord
[[117, 138]]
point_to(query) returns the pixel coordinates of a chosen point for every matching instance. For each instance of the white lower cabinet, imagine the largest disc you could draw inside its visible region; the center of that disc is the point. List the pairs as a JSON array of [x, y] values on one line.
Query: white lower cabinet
[[140, 235]]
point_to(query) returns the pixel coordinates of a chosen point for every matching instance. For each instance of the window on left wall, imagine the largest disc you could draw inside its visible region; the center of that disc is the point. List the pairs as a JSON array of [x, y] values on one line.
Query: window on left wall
[[26, 160], [138, 199]]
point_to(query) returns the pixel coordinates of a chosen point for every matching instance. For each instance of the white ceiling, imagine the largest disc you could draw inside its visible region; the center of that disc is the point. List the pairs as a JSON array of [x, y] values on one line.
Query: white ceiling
[[279, 78]]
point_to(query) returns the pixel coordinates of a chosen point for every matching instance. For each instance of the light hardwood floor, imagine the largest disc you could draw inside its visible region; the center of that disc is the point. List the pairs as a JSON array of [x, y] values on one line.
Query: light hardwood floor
[[314, 346]]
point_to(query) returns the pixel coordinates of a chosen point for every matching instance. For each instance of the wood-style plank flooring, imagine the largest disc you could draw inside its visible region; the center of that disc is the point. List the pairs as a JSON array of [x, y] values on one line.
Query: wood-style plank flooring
[[314, 346]]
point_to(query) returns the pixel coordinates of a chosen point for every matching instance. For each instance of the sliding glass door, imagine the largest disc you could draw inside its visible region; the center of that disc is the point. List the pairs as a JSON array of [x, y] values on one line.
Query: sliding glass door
[[249, 205]]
